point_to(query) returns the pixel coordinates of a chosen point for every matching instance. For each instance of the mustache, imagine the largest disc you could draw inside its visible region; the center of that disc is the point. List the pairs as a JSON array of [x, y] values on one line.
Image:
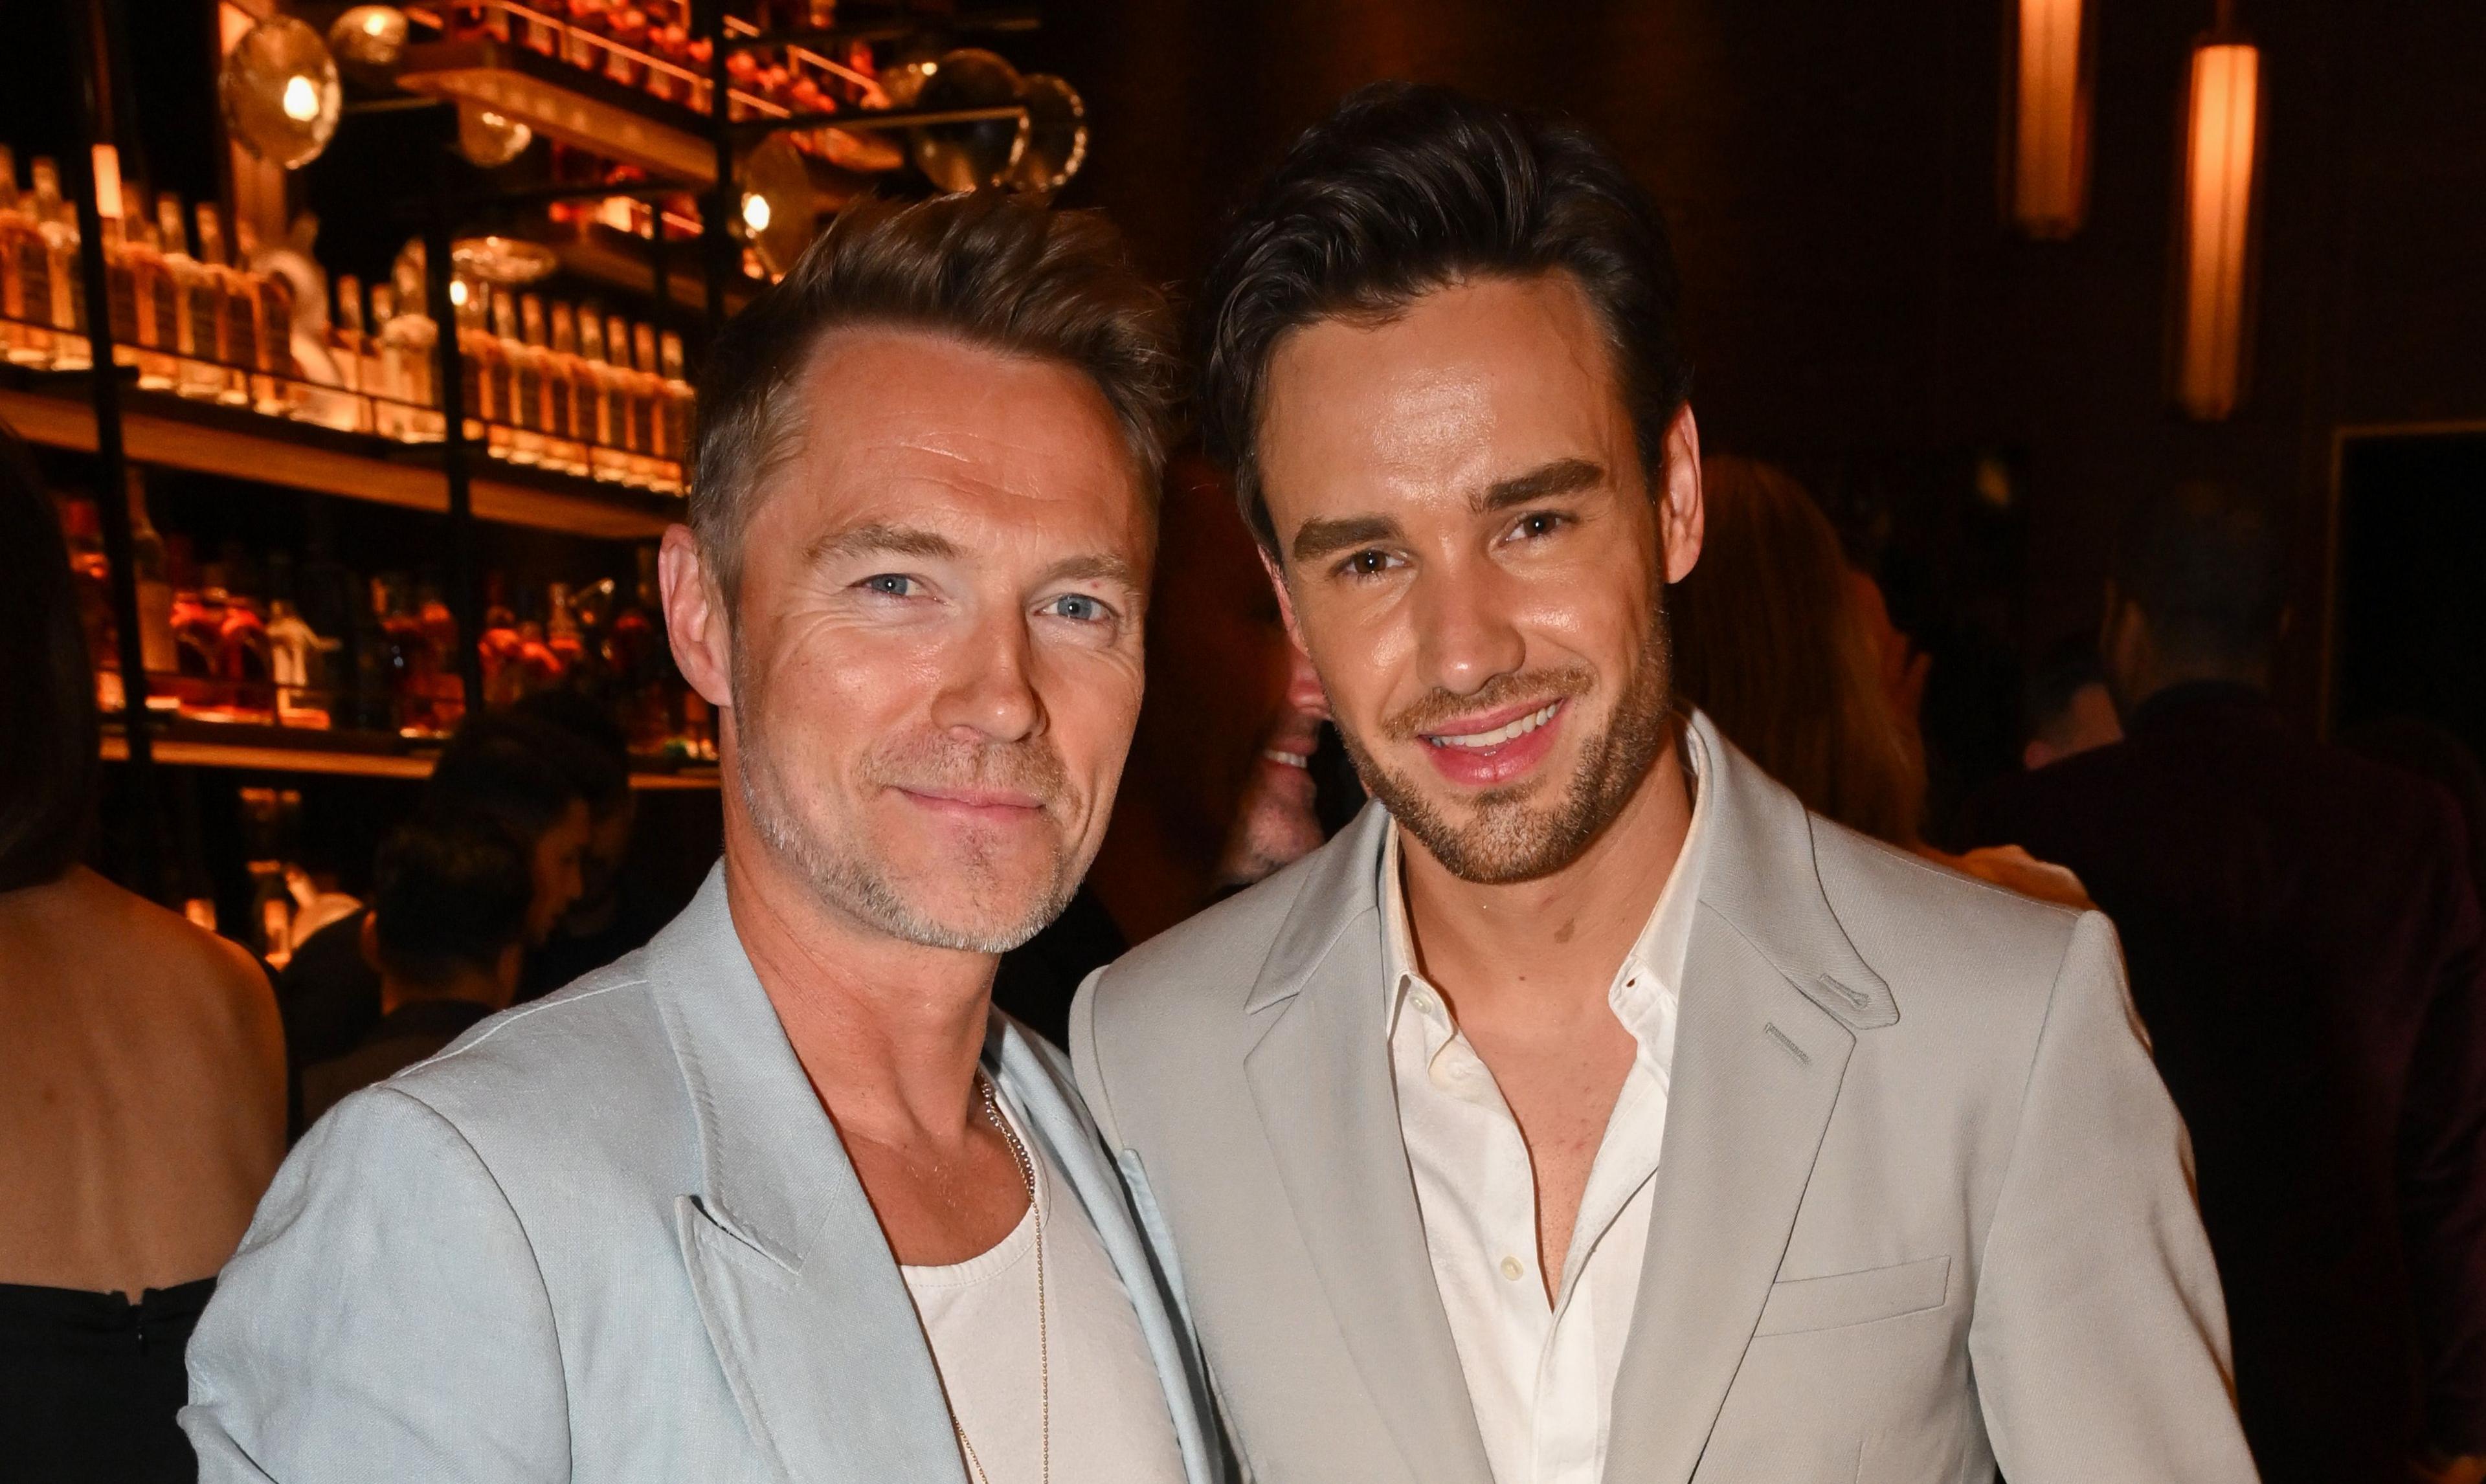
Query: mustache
[[1431, 711], [1031, 767]]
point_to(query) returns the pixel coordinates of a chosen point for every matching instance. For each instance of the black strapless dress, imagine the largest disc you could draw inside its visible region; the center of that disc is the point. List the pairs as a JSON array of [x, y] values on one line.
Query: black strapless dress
[[89, 1383]]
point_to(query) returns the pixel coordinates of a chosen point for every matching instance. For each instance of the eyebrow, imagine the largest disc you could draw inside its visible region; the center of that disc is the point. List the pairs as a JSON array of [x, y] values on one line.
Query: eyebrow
[[1093, 567], [1561, 476], [1319, 538], [881, 539]]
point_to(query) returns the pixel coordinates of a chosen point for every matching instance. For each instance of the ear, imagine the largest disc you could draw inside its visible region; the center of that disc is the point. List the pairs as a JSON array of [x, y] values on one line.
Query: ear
[[1679, 513], [696, 618], [1285, 600]]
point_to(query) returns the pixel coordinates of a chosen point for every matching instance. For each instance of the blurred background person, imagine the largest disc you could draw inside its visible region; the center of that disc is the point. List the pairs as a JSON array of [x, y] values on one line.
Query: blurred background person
[[2065, 708], [142, 1074], [612, 913], [2305, 945], [507, 769], [447, 928], [1791, 653]]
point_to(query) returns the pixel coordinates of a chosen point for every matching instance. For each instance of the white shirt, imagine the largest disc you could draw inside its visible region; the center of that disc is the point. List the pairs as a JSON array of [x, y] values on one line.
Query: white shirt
[[1540, 1377], [1110, 1422]]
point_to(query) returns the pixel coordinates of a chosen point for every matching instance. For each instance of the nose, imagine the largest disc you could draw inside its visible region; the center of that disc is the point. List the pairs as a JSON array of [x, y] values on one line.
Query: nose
[[1465, 633], [989, 692], [1304, 693]]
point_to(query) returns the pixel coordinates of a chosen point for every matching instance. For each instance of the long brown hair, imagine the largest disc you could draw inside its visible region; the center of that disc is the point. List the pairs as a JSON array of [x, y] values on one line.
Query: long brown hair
[[1770, 643]]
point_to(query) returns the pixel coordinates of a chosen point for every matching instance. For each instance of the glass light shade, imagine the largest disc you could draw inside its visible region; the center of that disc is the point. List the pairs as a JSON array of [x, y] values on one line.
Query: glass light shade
[[2223, 125], [780, 209], [2050, 119], [499, 259], [487, 139], [280, 91], [1057, 135], [369, 40], [961, 157]]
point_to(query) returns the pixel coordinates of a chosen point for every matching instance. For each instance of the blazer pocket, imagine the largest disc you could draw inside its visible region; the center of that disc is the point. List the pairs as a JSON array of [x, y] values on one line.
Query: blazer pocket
[[1845, 1299]]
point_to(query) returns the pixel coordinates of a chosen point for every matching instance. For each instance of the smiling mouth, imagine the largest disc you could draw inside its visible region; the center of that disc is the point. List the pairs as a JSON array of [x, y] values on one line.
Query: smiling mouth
[[1511, 732], [1289, 760]]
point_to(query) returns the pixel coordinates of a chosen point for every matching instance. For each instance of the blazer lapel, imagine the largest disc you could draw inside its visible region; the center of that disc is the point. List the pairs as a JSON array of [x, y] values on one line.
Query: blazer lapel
[[1773, 995], [1320, 1078], [795, 1283]]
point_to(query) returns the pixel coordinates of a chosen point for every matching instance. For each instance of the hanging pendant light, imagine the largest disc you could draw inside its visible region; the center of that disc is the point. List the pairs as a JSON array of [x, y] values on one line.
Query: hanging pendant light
[[280, 91], [2215, 234], [1057, 136], [2047, 150], [369, 40]]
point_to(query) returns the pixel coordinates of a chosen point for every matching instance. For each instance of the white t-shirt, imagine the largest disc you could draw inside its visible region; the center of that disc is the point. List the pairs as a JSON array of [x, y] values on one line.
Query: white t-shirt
[[1110, 1420]]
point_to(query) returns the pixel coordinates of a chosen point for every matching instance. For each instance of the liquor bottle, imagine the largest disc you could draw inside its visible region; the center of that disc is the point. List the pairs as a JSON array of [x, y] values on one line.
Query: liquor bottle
[[560, 629], [57, 220], [446, 692], [244, 661], [416, 364], [274, 387], [90, 571], [348, 347], [247, 329], [407, 661], [297, 656], [185, 303], [150, 565], [332, 602], [159, 370], [530, 434], [122, 291], [212, 304], [485, 367], [397, 367], [498, 646], [25, 275], [638, 359], [604, 455], [198, 623], [678, 421], [564, 393], [621, 384]]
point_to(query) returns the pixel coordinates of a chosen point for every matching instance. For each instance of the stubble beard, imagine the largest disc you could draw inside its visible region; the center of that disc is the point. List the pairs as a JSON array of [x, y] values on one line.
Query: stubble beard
[[1506, 839], [848, 878]]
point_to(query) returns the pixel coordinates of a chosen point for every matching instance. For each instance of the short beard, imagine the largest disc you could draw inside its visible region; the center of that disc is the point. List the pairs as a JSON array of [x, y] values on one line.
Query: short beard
[[1509, 840], [853, 882]]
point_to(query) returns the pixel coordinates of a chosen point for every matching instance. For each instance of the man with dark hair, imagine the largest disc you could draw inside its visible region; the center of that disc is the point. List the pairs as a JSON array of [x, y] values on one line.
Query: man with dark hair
[[1586, 1110], [2065, 708], [781, 1196], [447, 928], [610, 917], [519, 774], [2305, 943]]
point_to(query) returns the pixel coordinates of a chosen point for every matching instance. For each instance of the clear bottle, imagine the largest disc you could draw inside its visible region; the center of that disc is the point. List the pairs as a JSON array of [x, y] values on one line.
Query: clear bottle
[[566, 383], [678, 412], [58, 221], [246, 327], [25, 275], [416, 340], [213, 334], [274, 387], [595, 388], [186, 295], [485, 370], [149, 565], [645, 397], [524, 343], [296, 655], [123, 289], [348, 348], [158, 312]]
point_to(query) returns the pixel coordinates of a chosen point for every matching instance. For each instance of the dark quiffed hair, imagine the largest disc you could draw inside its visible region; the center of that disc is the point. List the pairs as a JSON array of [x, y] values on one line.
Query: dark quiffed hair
[[450, 892], [1406, 189], [48, 735], [1770, 643], [2208, 566], [985, 267], [504, 768]]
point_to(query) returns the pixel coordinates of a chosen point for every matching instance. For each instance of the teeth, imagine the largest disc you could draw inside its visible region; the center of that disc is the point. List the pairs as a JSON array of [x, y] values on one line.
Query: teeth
[[1500, 735], [1290, 759]]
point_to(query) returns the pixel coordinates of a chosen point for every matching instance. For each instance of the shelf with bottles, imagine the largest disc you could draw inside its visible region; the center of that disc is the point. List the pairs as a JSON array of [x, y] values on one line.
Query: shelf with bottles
[[630, 80], [596, 400], [257, 648]]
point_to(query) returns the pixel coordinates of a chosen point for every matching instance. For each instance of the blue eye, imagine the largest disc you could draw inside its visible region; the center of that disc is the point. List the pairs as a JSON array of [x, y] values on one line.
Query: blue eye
[[888, 585], [1078, 607]]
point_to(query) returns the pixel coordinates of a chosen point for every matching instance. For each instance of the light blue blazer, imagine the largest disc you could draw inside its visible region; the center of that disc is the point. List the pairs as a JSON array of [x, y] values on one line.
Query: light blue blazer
[[613, 1236]]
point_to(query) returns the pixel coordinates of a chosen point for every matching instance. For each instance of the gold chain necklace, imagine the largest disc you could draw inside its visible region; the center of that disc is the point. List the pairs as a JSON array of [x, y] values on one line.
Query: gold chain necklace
[[1043, 1351]]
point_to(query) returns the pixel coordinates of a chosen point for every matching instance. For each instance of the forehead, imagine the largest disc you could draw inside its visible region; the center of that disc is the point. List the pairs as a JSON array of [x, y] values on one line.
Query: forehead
[[904, 422], [1467, 383]]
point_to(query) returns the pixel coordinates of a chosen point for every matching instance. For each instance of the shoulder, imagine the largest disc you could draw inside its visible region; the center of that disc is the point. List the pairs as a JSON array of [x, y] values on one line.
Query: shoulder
[[1936, 935], [1205, 965]]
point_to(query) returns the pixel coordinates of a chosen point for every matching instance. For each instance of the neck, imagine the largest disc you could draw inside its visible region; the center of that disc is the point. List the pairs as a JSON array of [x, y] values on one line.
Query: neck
[[1560, 935], [888, 1031]]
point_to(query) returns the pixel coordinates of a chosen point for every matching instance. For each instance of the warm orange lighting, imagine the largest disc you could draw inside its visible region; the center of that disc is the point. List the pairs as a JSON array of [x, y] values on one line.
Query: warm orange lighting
[[107, 181], [2050, 120], [2223, 116]]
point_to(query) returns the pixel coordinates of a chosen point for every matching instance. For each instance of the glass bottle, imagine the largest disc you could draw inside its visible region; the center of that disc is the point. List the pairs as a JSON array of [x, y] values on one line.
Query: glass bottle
[[485, 370], [212, 332], [416, 364], [564, 377], [638, 360], [677, 399], [122, 291], [185, 298], [561, 628], [498, 646], [596, 387], [57, 220], [447, 693], [244, 662], [515, 396], [620, 382], [407, 661], [246, 327], [274, 387], [149, 565], [346, 347], [157, 307], [25, 275]]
